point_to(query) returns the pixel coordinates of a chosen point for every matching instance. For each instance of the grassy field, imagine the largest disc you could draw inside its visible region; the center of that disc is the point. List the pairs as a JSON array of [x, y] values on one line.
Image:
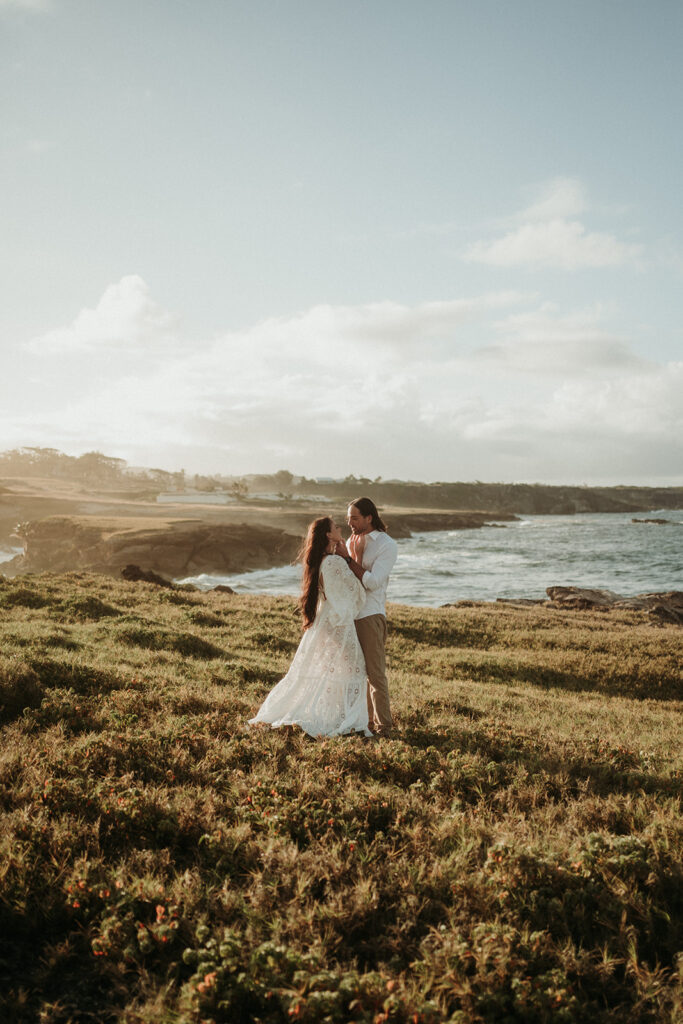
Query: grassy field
[[514, 855]]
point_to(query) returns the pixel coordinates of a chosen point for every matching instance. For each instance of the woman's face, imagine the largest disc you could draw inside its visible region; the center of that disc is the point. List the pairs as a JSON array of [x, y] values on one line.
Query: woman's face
[[334, 533]]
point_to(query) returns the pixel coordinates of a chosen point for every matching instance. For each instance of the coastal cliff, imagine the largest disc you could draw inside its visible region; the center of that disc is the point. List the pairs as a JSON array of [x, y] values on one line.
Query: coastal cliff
[[187, 547], [173, 548]]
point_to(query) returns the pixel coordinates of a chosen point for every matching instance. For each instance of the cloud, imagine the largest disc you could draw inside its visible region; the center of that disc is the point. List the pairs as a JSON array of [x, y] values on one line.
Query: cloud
[[297, 384], [126, 317], [467, 388], [558, 199], [631, 406], [546, 237], [386, 325], [565, 245], [544, 342]]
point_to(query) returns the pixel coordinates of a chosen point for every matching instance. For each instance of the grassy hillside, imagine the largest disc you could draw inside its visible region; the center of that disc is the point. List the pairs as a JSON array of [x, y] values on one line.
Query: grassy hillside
[[515, 855]]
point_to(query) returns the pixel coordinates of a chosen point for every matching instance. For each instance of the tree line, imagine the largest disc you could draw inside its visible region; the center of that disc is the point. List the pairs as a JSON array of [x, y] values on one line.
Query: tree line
[[96, 469]]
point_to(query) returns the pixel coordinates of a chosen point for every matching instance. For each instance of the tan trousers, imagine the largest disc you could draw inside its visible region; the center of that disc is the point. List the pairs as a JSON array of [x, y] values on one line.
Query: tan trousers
[[372, 634]]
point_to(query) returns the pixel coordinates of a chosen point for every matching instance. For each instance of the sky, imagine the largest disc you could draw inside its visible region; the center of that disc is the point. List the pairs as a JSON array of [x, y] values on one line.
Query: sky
[[416, 239]]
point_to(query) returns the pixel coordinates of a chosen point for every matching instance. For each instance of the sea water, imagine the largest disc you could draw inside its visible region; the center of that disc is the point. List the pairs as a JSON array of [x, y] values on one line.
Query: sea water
[[513, 560], [7, 552]]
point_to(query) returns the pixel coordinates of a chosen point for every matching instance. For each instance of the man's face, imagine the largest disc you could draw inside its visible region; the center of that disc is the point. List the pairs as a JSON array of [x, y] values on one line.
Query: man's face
[[357, 522]]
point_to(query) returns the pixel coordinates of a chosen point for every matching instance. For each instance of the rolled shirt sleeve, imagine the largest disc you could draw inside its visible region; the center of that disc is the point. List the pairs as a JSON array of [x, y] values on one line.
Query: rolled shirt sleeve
[[377, 577]]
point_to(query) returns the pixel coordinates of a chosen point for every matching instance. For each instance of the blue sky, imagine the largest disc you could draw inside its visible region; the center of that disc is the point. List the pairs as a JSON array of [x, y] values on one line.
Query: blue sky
[[429, 240]]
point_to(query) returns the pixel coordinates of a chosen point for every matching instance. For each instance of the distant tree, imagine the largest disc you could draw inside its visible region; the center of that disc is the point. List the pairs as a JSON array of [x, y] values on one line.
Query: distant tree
[[239, 489], [283, 479], [94, 467], [162, 478], [34, 461], [206, 484], [178, 480]]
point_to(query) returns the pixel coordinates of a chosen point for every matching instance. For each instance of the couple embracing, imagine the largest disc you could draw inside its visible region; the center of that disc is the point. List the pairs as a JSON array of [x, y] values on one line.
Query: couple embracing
[[337, 680]]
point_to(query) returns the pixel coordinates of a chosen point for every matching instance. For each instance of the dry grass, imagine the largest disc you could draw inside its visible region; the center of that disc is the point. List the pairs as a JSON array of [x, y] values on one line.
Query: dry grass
[[514, 855]]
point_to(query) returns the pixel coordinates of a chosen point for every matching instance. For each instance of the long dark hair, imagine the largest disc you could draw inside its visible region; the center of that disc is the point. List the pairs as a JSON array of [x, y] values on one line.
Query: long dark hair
[[367, 507], [311, 555]]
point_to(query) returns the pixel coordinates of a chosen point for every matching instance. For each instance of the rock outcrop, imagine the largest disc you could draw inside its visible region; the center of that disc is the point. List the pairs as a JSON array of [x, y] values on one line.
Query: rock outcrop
[[662, 607], [134, 574], [174, 549], [403, 524]]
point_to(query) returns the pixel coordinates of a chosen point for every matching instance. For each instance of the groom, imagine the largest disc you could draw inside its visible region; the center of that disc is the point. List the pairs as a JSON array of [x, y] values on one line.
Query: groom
[[371, 555]]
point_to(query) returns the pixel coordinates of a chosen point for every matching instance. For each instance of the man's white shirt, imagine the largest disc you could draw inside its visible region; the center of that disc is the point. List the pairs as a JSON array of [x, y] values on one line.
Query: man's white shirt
[[379, 558]]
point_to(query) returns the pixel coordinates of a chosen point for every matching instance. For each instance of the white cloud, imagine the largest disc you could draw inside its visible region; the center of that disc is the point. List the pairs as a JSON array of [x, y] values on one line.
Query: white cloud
[[547, 234], [126, 317], [631, 406], [379, 389], [558, 199], [545, 342], [387, 325], [566, 245]]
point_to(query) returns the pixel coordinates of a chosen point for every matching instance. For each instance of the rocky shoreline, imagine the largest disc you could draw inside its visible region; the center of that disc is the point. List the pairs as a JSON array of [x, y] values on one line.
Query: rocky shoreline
[[665, 606], [138, 543], [177, 548], [174, 548]]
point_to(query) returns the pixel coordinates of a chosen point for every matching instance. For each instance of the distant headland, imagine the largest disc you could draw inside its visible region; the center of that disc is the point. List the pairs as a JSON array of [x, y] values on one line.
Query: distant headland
[[94, 512]]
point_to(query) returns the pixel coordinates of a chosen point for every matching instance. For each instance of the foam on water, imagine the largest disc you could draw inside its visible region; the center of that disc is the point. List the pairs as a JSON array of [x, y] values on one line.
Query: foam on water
[[603, 550], [7, 553]]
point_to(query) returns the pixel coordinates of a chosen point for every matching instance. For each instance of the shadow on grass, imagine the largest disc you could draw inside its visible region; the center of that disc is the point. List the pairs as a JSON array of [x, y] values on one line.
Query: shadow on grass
[[442, 634], [42, 952], [85, 609], [24, 597], [546, 678], [453, 707], [25, 683], [503, 755], [83, 679], [190, 645]]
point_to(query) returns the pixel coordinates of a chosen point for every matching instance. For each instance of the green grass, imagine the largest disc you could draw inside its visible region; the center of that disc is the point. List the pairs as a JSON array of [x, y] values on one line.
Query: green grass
[[513, 855]]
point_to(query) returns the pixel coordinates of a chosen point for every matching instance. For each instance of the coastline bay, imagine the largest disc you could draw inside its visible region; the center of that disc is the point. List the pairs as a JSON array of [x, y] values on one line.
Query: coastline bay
[[514, 560]]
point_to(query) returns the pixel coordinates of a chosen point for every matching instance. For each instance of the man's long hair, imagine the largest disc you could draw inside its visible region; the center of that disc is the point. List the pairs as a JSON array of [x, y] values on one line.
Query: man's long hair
[[367, 507], [311, 556]]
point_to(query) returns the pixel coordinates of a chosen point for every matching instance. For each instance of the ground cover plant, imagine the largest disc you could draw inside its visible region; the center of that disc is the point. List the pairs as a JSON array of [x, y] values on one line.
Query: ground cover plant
[[514, 854]]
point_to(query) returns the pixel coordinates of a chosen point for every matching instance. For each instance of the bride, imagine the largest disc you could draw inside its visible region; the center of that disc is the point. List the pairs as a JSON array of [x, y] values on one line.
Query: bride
[[325, 690]]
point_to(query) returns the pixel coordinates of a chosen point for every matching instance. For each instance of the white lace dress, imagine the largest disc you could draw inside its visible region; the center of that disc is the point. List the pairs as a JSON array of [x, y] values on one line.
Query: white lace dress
[[325, 690]]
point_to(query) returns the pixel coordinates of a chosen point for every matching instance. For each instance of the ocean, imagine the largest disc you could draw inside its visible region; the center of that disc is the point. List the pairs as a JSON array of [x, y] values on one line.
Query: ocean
[[8, 551], [514, 560]]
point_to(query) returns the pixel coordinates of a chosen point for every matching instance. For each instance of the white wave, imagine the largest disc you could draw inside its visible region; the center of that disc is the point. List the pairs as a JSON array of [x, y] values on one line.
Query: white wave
[[8, 552]]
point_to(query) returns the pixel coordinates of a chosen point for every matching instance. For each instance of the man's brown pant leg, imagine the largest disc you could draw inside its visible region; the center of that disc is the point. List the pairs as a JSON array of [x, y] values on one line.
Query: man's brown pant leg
[[372, 634]]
